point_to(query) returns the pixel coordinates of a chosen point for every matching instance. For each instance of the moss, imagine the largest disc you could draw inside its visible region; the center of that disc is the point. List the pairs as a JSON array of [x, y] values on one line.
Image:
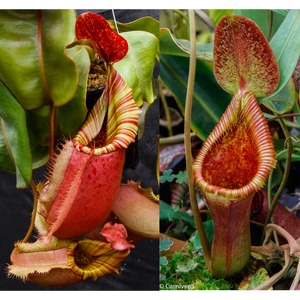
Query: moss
[[196, 278]]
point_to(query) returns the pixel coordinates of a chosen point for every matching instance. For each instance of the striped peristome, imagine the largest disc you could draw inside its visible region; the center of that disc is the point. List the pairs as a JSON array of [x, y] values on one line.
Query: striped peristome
[[122, 117]]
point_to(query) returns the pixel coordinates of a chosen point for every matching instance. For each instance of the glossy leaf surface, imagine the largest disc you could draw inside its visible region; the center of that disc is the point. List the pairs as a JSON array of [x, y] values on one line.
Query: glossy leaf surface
[[209, 100], [143, 24], [15, 144], [243, 58], [32, 45], [286, 47], [136, 68], [40, 70], [172, 46], [282, 102]]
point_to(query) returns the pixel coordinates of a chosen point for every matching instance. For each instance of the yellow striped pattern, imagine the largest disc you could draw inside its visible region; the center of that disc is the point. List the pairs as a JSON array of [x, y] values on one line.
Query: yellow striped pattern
[[93, 259], [122, 121]]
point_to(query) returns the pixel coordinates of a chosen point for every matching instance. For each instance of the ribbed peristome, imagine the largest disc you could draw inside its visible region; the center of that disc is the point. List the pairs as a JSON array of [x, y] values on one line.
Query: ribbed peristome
[[243, 115], [122, 118], [94, 259]]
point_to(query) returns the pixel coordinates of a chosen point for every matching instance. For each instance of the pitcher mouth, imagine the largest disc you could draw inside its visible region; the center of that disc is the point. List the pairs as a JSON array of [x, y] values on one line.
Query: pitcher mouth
[[112, 124], [237, 157], [77, 261]]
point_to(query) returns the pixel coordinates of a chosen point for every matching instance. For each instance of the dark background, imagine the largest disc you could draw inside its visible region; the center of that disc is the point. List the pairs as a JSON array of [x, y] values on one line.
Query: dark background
[[139, 270]]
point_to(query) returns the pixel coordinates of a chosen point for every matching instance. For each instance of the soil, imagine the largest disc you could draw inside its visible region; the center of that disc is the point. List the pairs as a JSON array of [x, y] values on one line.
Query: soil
[[97, 76]]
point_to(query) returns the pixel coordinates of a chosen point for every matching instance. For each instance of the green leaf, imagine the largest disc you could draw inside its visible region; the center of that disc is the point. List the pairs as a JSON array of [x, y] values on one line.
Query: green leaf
[[165, 244], [136, 68], [163, 261], [286, 47], [252, 281], [14, 139], [37, 70], [167, 176], [143, 24], [209, 99], [181, 176], [209, 230], [168, 214], [284, 101], [71, 116], [190, 265], [217, 14], [262, 17], [170, 45], [180, 227], [34, 65], [259, 16]]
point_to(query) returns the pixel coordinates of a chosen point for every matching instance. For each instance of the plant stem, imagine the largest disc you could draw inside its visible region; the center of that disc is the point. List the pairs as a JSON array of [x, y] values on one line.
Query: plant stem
[[284, 177], [35, 197], [166, 107], [186, 19], [283, 116], [187, 141], [175, 139]]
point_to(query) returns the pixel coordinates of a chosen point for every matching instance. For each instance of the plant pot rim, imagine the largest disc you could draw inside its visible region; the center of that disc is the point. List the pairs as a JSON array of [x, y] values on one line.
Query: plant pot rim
[[96, 90]]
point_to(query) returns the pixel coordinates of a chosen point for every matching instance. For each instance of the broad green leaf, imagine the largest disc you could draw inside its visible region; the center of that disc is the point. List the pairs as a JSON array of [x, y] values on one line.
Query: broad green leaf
[[14, 139], [40, 70], [33, 62], [217, 14], [209, 99], [286, 47], [282, 12], [136, 68], [172, 46], [259, 16], [284, 101], [69, 117], [19, 150], [262, 18], [143, 24]]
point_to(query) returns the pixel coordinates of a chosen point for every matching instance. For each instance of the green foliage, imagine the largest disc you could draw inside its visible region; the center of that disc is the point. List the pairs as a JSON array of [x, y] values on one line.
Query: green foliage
[[187, 271], [190, 265], [136, 68], [37, 71], [44, 67], [284, 44], [254, 280], [165, 244], [181, 176], [167, 176]]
